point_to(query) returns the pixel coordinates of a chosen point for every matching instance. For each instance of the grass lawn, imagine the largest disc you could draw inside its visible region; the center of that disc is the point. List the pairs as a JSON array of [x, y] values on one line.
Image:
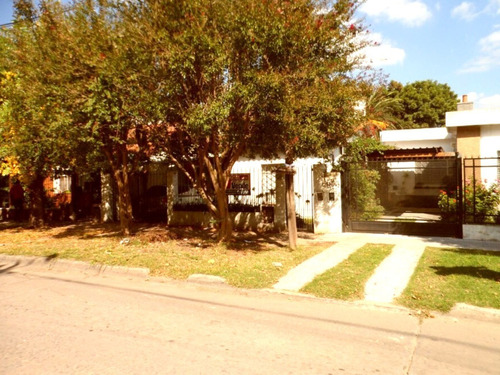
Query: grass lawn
[[448, 276], [347, 280], [251, 261]]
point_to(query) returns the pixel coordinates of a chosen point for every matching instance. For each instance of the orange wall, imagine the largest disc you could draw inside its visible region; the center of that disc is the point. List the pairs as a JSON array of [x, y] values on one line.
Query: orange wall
[[469, 146], [468, 141]]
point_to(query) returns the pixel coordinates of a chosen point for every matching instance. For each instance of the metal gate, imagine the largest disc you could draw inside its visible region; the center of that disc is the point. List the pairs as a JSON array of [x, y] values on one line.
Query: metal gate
[[409, 196], [481, 190], [304, 194]]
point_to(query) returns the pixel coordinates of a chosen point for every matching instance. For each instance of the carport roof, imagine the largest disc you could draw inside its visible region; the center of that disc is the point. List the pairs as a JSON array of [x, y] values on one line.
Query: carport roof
[[412, 153]]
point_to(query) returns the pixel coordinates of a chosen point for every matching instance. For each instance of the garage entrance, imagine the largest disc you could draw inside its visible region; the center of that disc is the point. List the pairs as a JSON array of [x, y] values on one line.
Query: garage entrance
[[404, 192]]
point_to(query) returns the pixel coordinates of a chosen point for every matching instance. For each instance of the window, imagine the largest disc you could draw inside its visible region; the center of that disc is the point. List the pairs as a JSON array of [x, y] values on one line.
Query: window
[[62, 184], [184, 186]]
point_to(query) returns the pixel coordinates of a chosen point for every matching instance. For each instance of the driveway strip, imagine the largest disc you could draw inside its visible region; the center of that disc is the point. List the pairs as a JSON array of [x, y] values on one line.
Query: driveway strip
[[394, 273], [305, 272]]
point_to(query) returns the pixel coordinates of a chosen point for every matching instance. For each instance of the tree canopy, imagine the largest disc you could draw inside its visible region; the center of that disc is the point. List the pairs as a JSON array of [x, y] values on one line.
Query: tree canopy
[[268, 78], [202, 82], [423, 104]]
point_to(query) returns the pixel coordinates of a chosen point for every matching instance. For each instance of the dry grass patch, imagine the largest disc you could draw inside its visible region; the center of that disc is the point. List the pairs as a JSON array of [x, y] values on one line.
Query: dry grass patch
[[252, 260]]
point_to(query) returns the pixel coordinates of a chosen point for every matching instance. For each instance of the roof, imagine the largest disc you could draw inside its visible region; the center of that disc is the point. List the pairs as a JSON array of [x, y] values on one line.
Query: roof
[[413, 135], [412, 154]]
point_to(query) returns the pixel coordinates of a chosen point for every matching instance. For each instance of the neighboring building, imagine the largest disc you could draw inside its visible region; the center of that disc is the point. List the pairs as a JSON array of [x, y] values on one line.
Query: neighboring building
[[474, 134], [477, 133]]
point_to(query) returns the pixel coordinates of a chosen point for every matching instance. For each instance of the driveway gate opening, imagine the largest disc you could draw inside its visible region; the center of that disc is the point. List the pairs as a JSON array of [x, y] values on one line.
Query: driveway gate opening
[[401, 194]]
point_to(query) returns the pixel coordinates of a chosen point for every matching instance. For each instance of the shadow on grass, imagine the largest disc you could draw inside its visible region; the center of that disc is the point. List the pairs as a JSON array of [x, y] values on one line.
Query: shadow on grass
[[188, 236], [88, 230], [50, 257], [197, 237], [478, 272], [473, 251]]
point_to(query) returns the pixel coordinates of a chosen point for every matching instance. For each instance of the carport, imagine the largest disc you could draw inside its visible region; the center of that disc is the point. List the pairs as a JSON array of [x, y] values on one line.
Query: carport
[[397, 191]]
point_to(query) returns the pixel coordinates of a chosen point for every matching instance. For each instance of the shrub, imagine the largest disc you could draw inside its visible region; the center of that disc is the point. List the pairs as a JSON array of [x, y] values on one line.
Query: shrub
[[364, 194], [480, 203]]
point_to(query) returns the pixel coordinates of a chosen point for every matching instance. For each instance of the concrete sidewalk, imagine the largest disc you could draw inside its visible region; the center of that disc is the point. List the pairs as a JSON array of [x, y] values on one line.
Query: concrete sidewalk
[[392, 275]]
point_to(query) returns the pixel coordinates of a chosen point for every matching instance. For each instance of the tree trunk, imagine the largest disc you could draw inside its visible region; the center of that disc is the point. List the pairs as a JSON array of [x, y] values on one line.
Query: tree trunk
[[290, 201], [223, 218], [120, 170], [37, 202], [124, 201]]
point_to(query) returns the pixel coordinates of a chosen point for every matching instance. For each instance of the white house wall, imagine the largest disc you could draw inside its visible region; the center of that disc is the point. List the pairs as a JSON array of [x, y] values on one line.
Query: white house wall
[[326, 213], [420, 138], [490, 148]]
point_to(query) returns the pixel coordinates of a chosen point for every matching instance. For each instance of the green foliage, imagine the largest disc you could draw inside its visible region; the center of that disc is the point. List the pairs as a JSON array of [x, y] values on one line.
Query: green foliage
[[261, 78], [423, 104], [358, 148], [108, 83], [447, 204], [380, 107], [363, 181], [480, 202], [363, 194]]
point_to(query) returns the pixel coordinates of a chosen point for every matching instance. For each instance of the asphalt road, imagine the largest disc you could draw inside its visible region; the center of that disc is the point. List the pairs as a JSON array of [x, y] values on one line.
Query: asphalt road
[[72, 322]]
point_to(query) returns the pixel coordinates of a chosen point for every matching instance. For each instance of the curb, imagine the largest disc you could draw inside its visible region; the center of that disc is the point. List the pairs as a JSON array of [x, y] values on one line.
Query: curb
[[8, 262], [463, 310], [460, 310], [206, 279], [63, 265]]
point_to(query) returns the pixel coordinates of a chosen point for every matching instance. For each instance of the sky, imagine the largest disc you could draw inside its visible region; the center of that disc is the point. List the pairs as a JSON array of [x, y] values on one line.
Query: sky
[[449, 41]]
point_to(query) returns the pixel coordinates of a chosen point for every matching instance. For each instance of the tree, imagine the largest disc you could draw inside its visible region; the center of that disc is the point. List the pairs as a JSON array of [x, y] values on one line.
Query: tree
[[270, 78], [363, 181], [423, 103], [380, 108], [202, 81], [76, 93], [111, 72], [33, 123]]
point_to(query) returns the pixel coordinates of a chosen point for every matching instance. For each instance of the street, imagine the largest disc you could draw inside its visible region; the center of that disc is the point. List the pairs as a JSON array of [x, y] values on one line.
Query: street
[[73, 322]]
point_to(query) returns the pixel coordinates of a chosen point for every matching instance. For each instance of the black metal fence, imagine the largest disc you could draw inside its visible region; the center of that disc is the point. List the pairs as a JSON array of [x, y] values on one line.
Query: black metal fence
[[260, 196], [481, 190]]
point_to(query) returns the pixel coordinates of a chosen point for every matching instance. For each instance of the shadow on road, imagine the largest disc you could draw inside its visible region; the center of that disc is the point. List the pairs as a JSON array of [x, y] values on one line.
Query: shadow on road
[[6, 267]]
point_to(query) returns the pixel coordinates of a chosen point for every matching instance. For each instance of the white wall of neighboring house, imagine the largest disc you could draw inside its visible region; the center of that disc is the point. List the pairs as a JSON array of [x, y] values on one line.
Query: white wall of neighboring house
[[473, 129], [474, 117], [490, 141], [490, 148], [419, 138], [488, 121]]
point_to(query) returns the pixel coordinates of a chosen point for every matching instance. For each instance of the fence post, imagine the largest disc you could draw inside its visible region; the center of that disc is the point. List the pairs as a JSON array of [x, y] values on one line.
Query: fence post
[[459, 195]]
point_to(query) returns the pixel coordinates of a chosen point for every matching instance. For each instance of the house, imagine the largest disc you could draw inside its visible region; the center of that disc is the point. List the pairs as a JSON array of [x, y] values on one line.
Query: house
[[257, 196], [474, 135]]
